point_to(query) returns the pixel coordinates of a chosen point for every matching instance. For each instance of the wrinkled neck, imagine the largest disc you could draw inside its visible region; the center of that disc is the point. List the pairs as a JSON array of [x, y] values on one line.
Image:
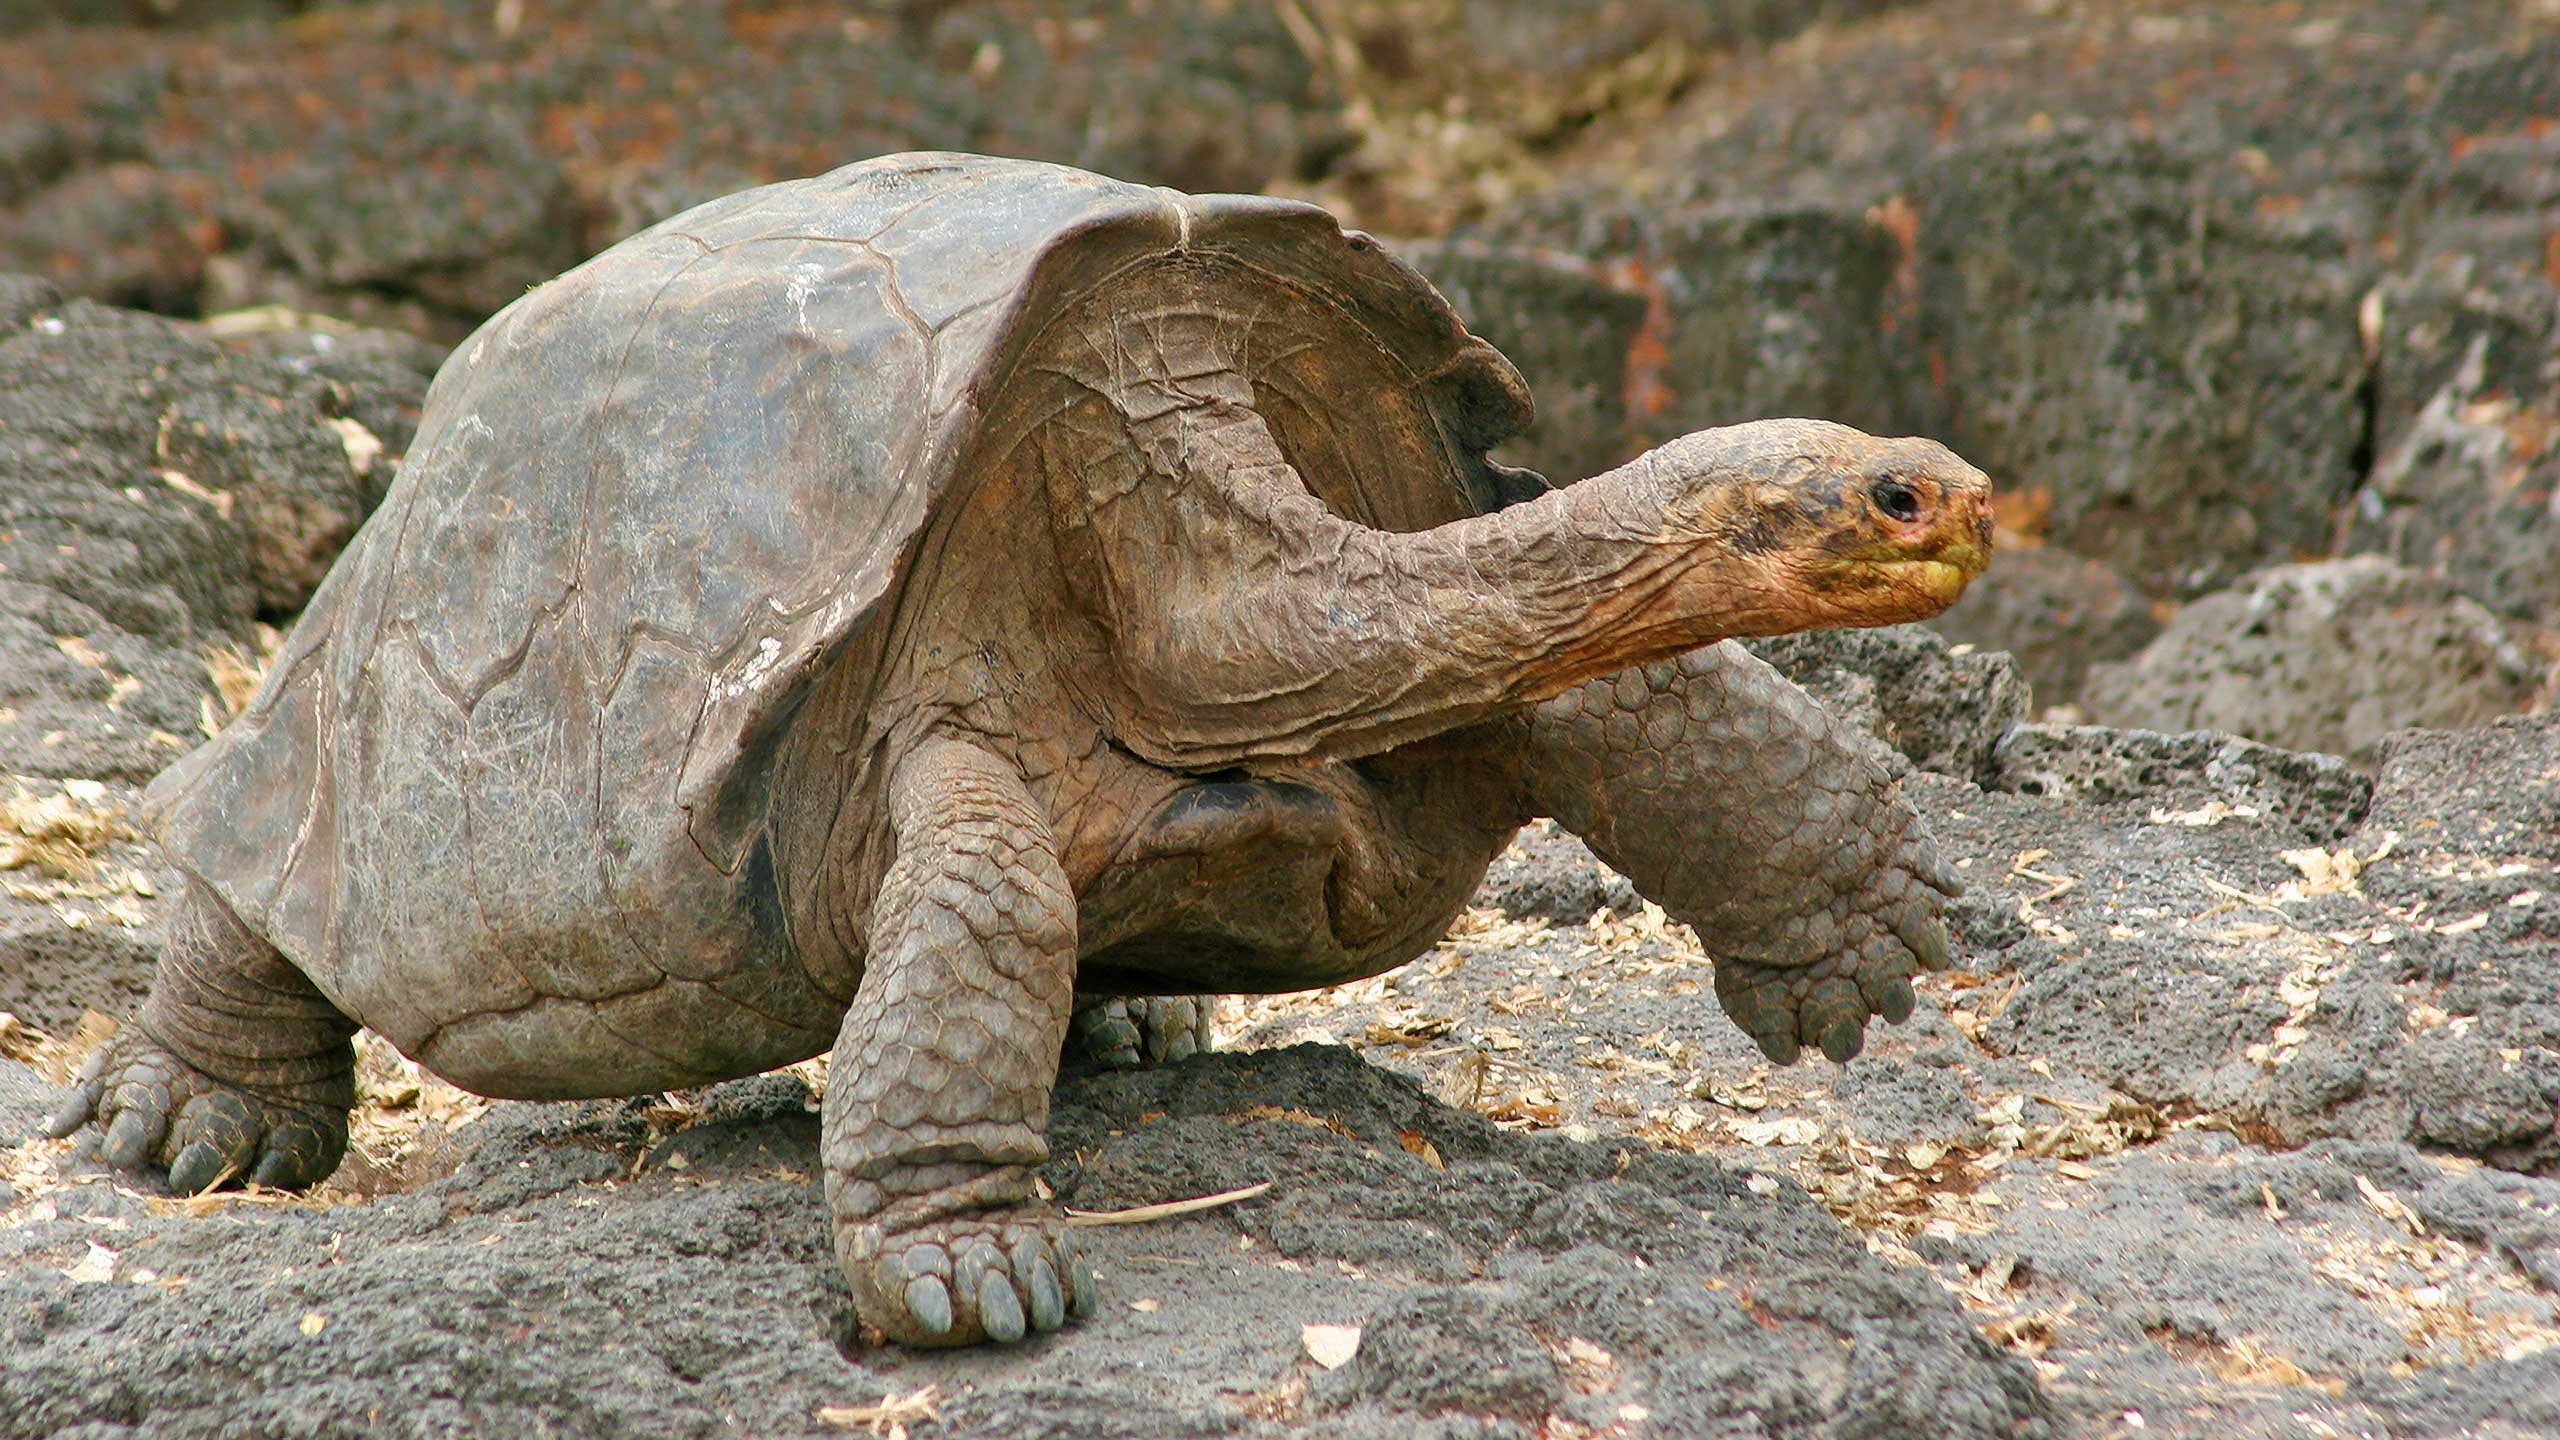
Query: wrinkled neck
[[1598, 581], [1275, 630]]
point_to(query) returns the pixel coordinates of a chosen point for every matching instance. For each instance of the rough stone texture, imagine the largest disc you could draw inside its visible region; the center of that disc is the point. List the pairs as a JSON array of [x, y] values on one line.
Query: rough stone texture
[[1778, 309], [37, 14], [1550, 874], [1708, 1301], [71, 945], [1755, 308], [2379, 984], [2180, 282], [2495, 789], [2468, 388], [468, 155], [2211, 404], [164, 493], [2320, 795], [470, 147], [2330, 656], [2215, 1286], [471, 150], [2055, 614]]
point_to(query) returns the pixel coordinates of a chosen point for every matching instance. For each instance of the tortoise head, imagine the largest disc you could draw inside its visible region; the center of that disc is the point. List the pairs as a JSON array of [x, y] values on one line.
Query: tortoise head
[[1835, 527]]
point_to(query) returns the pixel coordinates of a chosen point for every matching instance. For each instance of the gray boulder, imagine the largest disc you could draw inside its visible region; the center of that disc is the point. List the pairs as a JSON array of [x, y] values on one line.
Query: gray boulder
[[2328, 656], [164, 494]]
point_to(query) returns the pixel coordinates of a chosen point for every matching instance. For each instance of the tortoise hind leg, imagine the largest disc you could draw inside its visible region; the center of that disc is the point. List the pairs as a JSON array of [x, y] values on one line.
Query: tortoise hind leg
[[237, 1069], [1125, 1032], [939, 1092]]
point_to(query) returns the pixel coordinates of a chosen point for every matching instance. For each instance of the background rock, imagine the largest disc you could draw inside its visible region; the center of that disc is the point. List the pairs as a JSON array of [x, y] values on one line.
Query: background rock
[[2193, 320], [2054, 614], [2330, 656], [1549, 874], [1938, 706], [2494, 790], [2211, 408], [2319, 795], [165, 494]]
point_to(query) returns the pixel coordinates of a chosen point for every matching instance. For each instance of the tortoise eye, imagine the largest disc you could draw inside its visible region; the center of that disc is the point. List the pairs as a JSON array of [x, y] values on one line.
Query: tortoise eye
[[1895, 499]]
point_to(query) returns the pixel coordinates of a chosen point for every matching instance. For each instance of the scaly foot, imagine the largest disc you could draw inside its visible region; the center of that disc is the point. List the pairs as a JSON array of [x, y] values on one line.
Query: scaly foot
[[998, 1275], [1123, 1033], [1875, 939], [155, 1110]]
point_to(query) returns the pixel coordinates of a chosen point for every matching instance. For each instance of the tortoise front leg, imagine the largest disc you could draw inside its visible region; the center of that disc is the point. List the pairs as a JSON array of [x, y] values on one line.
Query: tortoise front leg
[[939, 1091], [1738, 804]]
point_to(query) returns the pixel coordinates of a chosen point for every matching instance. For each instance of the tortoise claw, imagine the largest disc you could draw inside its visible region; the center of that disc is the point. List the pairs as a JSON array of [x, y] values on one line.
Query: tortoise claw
[[1895, 1001], [156, 1109], [128, 1141], [1048, 1302], [999, 1277], [929, 1305], [198, 1168], [999, 1309], [1843, 1039]]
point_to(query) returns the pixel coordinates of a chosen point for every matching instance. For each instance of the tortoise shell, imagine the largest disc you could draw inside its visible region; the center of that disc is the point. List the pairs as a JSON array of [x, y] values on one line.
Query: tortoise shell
[[649, 503]]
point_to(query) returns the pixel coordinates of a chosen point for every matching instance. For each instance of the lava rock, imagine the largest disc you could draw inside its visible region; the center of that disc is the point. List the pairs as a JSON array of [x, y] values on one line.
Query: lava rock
[[2330, 656], [1548, 873], [2129, 336], [2321, 794], [1451, 1350], [165, 493], [683, 1303], [2463, 1097], [464, 159], [2492, 790], [2467, 399], [1926, 702], [2055, 614]]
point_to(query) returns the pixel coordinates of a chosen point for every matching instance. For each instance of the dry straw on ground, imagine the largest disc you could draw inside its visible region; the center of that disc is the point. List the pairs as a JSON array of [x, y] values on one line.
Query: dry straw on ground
[[61, 832]]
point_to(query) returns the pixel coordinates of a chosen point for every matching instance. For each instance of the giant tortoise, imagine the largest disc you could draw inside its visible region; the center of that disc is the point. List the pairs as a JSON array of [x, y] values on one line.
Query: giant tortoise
[[952, 606]]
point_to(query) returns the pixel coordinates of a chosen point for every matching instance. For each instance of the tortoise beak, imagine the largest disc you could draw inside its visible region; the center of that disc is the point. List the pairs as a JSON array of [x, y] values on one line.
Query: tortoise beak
[[1965, 528]]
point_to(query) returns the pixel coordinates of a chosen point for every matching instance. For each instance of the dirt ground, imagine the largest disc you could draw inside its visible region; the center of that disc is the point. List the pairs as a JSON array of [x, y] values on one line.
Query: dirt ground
[[2091, 1188]]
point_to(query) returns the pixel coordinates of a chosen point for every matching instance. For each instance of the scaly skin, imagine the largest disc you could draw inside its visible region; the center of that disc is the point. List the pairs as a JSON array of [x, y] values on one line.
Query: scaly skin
[[1736, 802], [939, 1091], [1126, 1032], [237, 1070]]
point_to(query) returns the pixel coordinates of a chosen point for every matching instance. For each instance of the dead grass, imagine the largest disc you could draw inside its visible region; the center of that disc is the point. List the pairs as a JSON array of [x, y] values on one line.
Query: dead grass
[[236, 674], [60, 833]]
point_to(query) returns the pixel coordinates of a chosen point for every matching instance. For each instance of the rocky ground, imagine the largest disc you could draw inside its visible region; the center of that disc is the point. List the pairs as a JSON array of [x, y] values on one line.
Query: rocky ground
[[2236, 1119]]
